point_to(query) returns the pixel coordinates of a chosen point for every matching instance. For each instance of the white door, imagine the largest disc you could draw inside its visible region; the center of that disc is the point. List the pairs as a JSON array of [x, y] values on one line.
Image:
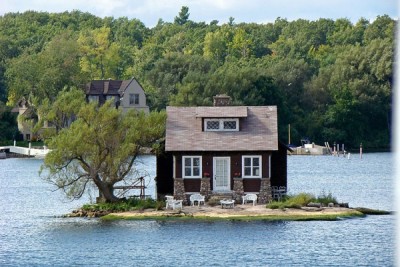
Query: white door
[[222, 174]]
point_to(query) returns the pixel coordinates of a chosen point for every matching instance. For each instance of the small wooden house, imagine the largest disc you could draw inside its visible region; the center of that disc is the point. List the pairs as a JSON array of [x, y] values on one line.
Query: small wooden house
[[221, 150]]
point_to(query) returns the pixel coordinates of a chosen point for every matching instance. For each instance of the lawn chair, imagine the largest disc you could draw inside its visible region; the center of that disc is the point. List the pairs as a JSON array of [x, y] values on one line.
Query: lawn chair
[[197, 197], [170, 202], [250, 197]]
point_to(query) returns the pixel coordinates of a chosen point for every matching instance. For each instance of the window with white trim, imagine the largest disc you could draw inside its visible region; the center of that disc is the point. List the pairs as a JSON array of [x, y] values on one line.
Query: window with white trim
[[251, 166], [191, 166], [212, 125]]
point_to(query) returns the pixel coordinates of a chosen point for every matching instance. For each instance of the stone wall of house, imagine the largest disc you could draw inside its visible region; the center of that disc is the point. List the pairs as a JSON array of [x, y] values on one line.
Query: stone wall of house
[[205, 187], [265, 195], [238, 190], [179, 190]]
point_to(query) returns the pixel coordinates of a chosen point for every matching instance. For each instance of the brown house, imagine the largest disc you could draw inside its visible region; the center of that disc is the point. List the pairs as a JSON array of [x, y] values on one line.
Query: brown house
[[223, 149]]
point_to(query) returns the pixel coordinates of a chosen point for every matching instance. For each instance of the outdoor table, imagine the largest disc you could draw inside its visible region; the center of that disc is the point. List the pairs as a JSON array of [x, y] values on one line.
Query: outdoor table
[[227, 203]]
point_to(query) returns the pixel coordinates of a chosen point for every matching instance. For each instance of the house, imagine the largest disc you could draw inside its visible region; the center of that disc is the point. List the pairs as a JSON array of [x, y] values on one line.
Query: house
[[27, 118], [222, 149], [127, 94]]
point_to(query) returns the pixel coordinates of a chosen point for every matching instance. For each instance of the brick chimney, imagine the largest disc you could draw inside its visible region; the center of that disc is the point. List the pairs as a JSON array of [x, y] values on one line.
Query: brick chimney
[[222, 100]]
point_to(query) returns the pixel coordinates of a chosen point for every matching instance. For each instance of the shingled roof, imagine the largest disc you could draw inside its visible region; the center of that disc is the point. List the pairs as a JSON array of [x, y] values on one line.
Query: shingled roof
[[258, 129], [107, 87]]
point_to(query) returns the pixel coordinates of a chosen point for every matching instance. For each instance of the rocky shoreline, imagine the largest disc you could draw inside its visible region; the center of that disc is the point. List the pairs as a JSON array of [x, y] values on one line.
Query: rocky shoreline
[[238, 212]]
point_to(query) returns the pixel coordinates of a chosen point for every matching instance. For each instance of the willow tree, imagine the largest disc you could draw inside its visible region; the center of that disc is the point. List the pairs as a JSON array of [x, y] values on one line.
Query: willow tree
[[100, 148]]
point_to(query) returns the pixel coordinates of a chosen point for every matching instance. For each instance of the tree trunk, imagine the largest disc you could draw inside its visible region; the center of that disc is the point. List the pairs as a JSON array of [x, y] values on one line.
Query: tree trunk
[[106, 193]]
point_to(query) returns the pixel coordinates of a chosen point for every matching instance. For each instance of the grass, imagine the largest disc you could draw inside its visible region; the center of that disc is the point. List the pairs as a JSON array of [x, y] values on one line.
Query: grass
[[367, 211], [182, 217], [301, 200], [126, 205]]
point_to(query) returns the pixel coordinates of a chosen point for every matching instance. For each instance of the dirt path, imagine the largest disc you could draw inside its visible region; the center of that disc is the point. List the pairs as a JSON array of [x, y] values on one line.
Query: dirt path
[[240, 211]]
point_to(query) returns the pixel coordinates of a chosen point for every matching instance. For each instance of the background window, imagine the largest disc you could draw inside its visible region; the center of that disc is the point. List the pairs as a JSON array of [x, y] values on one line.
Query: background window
[[133, 99], [93, 98]]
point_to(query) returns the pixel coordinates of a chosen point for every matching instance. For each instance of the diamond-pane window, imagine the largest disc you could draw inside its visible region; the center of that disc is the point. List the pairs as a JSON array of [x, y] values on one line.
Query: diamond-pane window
[[212, 125], [228, 125]]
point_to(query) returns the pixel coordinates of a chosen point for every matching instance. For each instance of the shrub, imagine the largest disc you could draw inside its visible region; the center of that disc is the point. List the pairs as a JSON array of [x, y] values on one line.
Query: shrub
[[124, 205], [301, 200], [325, 199], [294, 201]]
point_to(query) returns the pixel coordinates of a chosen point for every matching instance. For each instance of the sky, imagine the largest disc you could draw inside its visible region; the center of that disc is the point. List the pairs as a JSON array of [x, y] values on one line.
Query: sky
[[258, 11]]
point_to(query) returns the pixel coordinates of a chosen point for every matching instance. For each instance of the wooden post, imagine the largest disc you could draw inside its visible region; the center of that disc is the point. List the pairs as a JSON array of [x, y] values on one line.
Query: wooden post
[[334, 148], [289, 135], [361, 151], [344, 154]]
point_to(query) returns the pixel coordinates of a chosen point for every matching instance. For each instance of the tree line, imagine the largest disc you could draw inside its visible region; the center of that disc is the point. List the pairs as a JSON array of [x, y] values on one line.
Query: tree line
[[331, 79]]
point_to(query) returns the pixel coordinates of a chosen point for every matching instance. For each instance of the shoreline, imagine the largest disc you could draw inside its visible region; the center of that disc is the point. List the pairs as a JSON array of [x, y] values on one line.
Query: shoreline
[[242, 213]]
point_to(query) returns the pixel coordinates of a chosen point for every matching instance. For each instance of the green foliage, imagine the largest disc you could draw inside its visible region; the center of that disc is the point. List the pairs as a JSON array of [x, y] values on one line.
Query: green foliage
[[123, 205], [325, 199], [99, 148], [301, 200], [8, 123], [331, 79]]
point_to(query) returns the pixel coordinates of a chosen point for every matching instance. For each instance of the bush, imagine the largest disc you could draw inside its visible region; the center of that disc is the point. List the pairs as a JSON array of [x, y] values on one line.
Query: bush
[[292, 201], [124, 205], [301, 200], [325, 199]]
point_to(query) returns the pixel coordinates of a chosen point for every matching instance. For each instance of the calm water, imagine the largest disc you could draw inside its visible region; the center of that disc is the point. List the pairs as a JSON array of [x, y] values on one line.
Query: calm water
[[30, 234]]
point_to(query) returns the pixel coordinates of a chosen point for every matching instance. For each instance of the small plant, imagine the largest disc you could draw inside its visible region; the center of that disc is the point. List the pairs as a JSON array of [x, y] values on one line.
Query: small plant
[[213, 201], [160, 205], [292, 201], [301, 200], [325, 199]]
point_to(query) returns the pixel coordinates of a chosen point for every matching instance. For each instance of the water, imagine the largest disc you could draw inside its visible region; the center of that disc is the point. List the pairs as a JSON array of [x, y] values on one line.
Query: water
[[30, 234]]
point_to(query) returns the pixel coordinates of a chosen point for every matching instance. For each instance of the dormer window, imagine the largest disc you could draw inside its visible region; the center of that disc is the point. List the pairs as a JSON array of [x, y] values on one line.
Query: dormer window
[[214, 125]]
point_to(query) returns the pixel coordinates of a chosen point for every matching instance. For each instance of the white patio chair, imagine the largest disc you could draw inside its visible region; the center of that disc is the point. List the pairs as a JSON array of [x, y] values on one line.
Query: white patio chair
[[170, 202], [250, 197], [197, 197]]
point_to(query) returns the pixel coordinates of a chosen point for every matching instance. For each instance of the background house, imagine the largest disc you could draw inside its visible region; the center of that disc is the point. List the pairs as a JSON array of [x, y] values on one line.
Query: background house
[[26, 119], [222, 149], [127, 94]]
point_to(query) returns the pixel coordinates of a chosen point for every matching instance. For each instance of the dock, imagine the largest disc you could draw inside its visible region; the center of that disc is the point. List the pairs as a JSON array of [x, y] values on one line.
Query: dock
[[25, 151]]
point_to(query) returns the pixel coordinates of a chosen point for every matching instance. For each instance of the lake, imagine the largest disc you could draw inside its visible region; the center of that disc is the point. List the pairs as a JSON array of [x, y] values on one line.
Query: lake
[[32, 233]]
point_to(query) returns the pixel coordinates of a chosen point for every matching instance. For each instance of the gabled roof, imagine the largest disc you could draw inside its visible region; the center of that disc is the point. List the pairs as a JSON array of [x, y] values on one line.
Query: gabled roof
[[258, 129], [103, 87], [107, 87]]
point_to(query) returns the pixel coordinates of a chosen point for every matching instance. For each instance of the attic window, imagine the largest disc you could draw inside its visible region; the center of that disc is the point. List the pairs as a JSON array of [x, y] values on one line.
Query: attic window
[[213, 125]]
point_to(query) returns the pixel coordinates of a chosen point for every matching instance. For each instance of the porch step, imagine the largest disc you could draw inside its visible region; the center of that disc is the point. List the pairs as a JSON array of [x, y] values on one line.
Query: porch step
[[221, 195]]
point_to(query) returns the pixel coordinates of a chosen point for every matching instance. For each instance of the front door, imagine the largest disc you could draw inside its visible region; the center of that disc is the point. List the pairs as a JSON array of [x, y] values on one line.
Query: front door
[[222, 174]]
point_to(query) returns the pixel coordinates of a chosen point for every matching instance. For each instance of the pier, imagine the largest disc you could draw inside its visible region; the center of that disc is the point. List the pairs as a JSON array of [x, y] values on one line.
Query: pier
[[25, 151]]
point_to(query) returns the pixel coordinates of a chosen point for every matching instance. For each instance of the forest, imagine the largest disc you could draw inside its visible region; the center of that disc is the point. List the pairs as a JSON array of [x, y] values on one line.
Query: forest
[[331, 80]]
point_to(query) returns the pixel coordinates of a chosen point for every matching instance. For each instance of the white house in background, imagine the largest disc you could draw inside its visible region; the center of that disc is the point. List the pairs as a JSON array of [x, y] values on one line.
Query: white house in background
[[127, 95]]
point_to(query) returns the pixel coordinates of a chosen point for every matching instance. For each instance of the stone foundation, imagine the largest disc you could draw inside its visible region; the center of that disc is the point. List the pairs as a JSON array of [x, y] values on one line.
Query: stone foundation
[[265, 195], [238, 190], [205, 187], [179, 190]]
